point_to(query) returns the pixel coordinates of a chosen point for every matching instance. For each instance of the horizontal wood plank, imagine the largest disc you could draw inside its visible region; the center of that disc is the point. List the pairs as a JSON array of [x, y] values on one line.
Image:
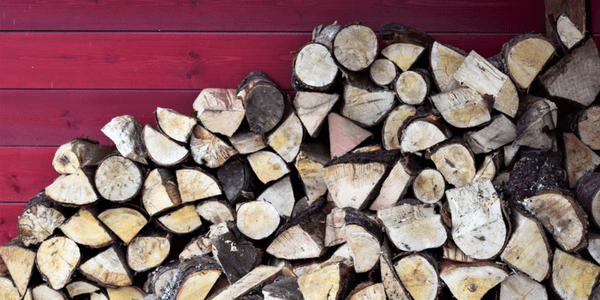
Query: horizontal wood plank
[[296, 15], [9, 216], [164, 61], [24, 171]]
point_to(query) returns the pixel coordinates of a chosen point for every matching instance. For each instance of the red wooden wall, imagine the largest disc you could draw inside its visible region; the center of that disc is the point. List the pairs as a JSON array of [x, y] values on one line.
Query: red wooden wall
[[68, 66]]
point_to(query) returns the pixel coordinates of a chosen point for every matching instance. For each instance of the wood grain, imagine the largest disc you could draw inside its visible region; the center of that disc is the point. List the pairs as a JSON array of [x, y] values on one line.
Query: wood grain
[[296, 15]]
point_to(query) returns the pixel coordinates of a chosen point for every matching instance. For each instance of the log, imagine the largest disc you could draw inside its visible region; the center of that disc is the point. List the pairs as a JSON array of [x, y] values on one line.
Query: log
[[535, 172], [238, 180], [39, 219], [312, 108], [98, 296], [393, 122], [198, 284], [236, 255], [335, 230], [419, 274], [528, 250], [196, 184], [257, 220], [396, 184], [118, 179], [264, 101], [355, 47], [519, 286], [535, 127], [352, 184], [577, 10], [579, 159], [524, 56], [125, 293], [126, 133], [44, 292], [175, 125], [8, 290], [108, 268], [78, 153], [267, 166], [588, 196], [471, 281], [593, 247], [124, 222], [488, 169], [19, 261], [219, 110], [191, 279], [499, 132], [85, 229], [568, 33], [413, 226], [429, 186], [463, 107], [412, 87], [445, 61], [198, 246], [507, 101], [328, 281], [478, 227], [81, 287], [455, 161], [259, 276], [383, 72], [161, 149], [160, 191], [215, 211], [182, 220], [588, 125], [391, 282], [246, 142], [480, 75], [404, 55], [368, 291], [209, 150], [281, 196], [313, 68], [284, 288], [394, 32], [366, 106], [363, 240], [344, 135], [572, 277], [325, 34], [57, 258], [287, 137], [422, 133], [75, 189], [576, 76], [148, 249]]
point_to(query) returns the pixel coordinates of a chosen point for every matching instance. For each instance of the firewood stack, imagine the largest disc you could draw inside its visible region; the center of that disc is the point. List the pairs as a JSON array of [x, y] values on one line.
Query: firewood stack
[[408, 170]]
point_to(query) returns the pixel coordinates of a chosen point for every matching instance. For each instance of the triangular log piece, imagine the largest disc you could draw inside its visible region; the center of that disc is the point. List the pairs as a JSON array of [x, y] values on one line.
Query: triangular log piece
[[519, 286], [181, 221], [196, 184], [422, 133], [125, 222], [8, 290], [160, 191], [572, 277], [525, 56], [215, 211], [259, 276], [161, 149], [344, 135], [236, 255], [209, 150], [175, 125], [498, 133], [353, 184], [75, 189], [479, 74], [246, 142], [85, 229], [368, 291], [404, 55], [267, 166], [219, 110], [281, 195], [473, 280], [366, 107], [452, 252], [507, 101], [327, 281], [312, 108], [198, 246], [284, 288], [108, 268], [445, 61], [464, 107], [535, 127], [568, 34], [396, 184], [19, 260], [126, 132], [287, 138], [579, 159], [39, 219]]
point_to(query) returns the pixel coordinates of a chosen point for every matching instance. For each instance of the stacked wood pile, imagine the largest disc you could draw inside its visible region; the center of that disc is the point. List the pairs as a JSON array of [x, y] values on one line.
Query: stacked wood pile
[[408, 170]]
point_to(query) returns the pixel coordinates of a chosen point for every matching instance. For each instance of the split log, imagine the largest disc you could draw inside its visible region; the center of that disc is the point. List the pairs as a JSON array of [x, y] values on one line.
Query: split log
[[367, 107], [422, 133], [309, 163], [199, 246], [328, 281], [429, 186], [264, 101], [394, 32], [510, 152], [125, 293], [478, 227], [391, 282], [98, 296], [313, 68], [535, 172], [257, 219], [498, 133], [219, 110], [579, 159], [281, 195], [393, 122], [471, 281], [160, 191], [191, 279], [85, 229], [353, 184], [78, 153], [148, 249], [267, 166], [355, 47], [196, 184], [524, 56], [246, 142], [238, 180], [489, 168], [455, 161], [56, 259], [363, 239], [118, 179], [209, 150], [404, 55], [39, 219], [124, 222], [325, 34], [44, 292], [396, 184], [588, 126], [368, 291], [344, 135], [175, 125], [453, 253], [75, 189], [161, 149], [108, 268], [8, 290], [19, 261], [528, 250], [215, 211], [382, 72], [419, 274], [412, 87], [236, 255], [284, 288], [519, 286], [536, 125], [312, 108], [413, 227], [287, 137], [81, 287], [182, 220], [464, 107], [126, 133], [335, 229], [576, 77], [159, 279], [507, 101], [572, 277], [480, 75], [445, 61], [587, 191], [260, 276], [593, 247], [568, 33]]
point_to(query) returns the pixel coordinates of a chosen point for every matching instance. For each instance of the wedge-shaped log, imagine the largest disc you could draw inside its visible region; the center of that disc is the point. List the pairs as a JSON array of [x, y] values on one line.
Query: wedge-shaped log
[[366, 107], [238, 180], [393, 122], [219, 110], [246, 142], [175, 125], [535, 127], [352, 184], [78, 153], [75, 189], [572, 277], [56, 259], [192, 279], [161, 149], [85, 229], [579, 159], [363, 239], [19, 260], [568, 33], [160, 191], [39, 219], [344, 135], [498, 133], [525, 56], [287, 138], [519, 286], [8, 290], [284, 288], [396, 184], [313, 68], [588, 195], [196, 184], [215, 211], [309, 164], [455, 161], [209, 150], [108, 268], [327, 281], [479, 74], [126, 132], [267, 166], [281, 195], [312, 108], [471, 281], [463, 107], [257, 277], [419, 274], [125, 222], [507, 101], [198, 246], [422, 133], [118, 179], [182, 220], [404, 55], [588, 126], [445, 61], [236, 255]]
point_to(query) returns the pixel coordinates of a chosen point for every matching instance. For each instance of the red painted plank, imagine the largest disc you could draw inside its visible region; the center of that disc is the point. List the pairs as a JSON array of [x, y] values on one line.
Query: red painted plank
[[9, 216], [296, 15], [594, 15], [164, 61], [24, 171]]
